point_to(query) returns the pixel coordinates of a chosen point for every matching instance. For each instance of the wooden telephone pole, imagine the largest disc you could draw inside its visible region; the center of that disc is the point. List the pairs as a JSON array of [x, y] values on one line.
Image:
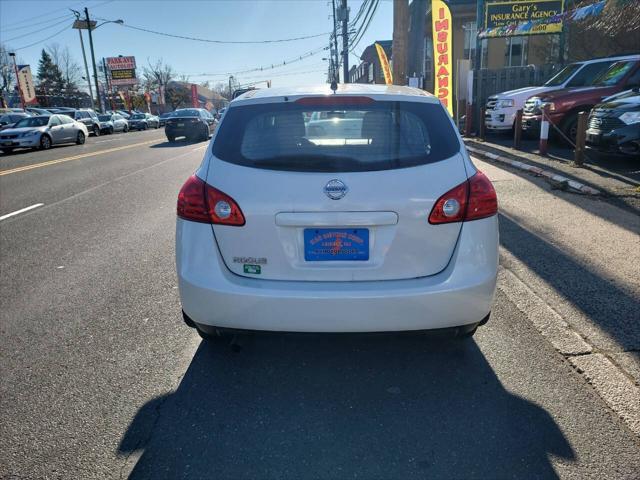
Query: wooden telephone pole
[[400, 41]]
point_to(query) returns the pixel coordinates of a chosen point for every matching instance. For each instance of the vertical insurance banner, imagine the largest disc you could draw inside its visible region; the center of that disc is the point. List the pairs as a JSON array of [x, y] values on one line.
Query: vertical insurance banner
[[26, 84], [384, 63], [442, 53]]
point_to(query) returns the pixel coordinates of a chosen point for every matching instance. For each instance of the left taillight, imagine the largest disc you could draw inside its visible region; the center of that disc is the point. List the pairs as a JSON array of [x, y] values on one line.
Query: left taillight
[[200, 202]]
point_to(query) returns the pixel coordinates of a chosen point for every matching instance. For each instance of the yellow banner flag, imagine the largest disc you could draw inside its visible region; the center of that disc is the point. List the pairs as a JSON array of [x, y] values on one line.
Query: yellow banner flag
[[441, 26], [384, 62]]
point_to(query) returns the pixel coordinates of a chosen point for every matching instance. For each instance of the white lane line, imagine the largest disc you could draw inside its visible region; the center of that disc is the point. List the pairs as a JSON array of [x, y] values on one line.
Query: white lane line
[[22, 210]]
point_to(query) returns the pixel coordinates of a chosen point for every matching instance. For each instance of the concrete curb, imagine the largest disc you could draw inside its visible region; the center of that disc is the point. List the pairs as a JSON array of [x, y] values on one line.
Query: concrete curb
[[609, 381], [580, 187]]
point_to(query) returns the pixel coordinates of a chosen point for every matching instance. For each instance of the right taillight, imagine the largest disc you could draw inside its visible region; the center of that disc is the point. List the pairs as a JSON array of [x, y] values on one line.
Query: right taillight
[[200, 202], [473, 199]]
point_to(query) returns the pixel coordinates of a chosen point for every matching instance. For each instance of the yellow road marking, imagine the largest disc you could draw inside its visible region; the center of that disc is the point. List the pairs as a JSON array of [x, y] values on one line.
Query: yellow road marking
[[75, 157]]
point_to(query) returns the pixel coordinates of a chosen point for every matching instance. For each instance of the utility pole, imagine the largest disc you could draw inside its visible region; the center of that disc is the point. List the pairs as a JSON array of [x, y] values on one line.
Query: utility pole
[[334, 50], [400, 41], [108, 83], [15, 67], [78, 26], [93, 57], [344, 16]]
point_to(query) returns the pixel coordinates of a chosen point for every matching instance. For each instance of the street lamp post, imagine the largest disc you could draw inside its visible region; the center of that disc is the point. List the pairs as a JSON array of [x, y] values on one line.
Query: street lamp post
[[93, 57], [91, 25]]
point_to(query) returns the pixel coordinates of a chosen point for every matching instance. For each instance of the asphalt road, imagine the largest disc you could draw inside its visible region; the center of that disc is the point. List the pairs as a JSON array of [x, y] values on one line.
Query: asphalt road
[[100, 378]]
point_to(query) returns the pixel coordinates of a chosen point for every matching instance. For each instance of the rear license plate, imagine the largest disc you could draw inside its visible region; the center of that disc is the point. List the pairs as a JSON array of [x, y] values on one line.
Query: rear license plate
[[328, 244], [180, 124]]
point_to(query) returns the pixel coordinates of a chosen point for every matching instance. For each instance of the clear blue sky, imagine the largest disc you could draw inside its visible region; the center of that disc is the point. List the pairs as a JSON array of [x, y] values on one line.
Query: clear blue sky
[[218, 20]]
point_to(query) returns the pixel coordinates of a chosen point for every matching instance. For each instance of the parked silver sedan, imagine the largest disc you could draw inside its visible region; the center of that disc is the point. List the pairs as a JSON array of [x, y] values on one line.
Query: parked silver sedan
[[42, 132]]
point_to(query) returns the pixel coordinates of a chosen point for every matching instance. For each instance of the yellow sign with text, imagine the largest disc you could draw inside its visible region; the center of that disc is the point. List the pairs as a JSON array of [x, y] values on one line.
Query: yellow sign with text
[[384, 63], [442, 53]]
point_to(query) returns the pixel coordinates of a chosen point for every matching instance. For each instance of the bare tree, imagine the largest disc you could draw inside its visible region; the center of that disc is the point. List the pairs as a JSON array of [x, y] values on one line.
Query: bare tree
[[158, 75], [7, 75], [70, 69], [184, 78]]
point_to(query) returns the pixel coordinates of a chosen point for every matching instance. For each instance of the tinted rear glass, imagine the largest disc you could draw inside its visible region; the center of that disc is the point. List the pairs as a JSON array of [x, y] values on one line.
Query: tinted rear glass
[[336, 138], [186, 112]]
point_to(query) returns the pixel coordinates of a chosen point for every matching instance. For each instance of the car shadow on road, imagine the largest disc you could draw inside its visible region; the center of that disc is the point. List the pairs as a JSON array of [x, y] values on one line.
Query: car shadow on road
[[177, 143], [343, 407], [610, 308]]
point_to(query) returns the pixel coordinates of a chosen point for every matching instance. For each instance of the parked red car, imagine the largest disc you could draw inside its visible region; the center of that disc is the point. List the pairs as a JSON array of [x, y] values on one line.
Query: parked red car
[[565, 104]]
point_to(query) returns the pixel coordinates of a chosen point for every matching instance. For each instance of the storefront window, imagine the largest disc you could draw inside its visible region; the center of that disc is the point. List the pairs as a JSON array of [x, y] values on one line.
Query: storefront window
[[516, 52], [470, 32]]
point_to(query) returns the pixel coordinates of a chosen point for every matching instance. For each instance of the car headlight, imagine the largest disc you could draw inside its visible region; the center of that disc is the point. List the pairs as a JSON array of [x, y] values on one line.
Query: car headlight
[[30, 133], [551, 105], [505, 103], [630, 117]]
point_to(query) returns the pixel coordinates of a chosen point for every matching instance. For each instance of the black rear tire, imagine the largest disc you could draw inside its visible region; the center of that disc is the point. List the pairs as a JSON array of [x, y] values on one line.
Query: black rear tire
[[171, 139], [110, 130], [80, 139], [570, 129], [125, 129], [96, 130]]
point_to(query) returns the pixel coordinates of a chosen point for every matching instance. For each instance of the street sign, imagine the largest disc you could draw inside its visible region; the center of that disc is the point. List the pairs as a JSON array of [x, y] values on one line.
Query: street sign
[[122, 70], [82, 24], [501, 15]]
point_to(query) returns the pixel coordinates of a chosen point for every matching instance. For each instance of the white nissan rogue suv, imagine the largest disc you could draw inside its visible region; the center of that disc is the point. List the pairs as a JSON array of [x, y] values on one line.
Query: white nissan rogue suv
[[357, 210]]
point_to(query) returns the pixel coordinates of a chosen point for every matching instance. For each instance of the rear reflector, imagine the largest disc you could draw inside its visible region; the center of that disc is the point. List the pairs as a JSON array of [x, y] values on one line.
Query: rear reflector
[[332, 100], [200, 202], [471, 200]]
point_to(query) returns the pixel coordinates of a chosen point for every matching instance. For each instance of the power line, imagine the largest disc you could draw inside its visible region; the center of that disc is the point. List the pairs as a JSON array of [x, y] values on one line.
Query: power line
[[33, 17], [41, 41], [10, 29], [206, 40], [66, 19], [273, 66], [365, 26]]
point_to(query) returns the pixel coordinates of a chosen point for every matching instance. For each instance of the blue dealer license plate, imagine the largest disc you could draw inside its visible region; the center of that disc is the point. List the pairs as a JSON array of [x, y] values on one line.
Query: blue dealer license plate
[[327, 244]]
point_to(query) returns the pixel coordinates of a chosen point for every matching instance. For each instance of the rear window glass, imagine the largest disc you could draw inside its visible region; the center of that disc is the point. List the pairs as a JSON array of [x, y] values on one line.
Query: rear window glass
[[336, 138], [187, 112]]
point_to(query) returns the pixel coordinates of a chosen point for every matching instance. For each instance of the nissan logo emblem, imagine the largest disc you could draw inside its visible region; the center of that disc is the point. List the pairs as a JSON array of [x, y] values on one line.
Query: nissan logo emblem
[[335, 189]]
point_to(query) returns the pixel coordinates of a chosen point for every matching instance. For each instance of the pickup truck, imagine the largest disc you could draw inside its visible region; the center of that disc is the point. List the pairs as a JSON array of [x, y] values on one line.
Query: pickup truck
[[564, 105], [501, 108]]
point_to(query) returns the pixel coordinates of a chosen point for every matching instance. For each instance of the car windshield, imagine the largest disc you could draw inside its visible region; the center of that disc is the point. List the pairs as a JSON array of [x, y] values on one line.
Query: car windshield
[[616, 72], [187, 112], [104, 118], [137, 116], [563, 75], [363, 137], [32, 122]]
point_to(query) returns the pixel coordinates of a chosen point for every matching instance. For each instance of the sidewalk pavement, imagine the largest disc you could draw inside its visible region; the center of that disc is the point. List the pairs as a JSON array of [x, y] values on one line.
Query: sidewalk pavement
[[591, 179]]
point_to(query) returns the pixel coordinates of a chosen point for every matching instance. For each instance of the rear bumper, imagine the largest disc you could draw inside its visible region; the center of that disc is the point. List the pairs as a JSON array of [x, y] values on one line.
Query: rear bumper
[[462, 294], [185, 131]]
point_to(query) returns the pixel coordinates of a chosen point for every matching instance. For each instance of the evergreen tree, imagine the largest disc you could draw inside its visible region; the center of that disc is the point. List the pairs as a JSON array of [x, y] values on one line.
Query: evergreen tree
[[50, 78]]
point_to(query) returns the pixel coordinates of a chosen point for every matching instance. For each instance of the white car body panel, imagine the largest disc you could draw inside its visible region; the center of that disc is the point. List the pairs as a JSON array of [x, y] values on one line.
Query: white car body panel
[[461, 294], [418, 276]]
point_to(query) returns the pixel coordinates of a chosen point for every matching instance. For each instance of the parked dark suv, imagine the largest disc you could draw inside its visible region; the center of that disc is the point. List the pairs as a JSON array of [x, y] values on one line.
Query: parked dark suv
[[614, 126], [88, 117], [192, 123]]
